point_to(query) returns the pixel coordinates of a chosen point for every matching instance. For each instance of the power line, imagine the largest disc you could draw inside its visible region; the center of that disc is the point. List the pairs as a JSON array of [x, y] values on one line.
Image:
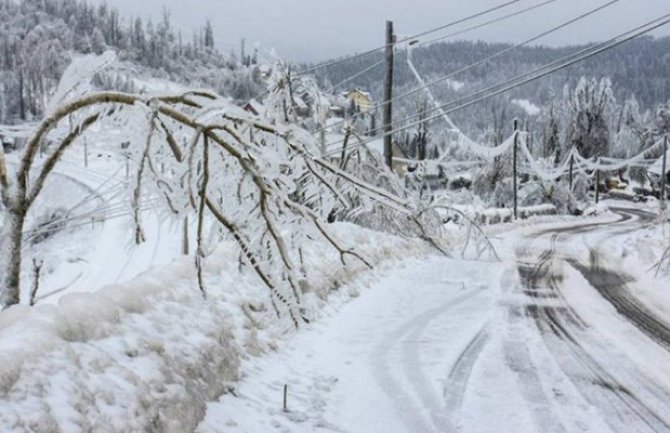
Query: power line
[[486, 59], [487, 23], [548, 66], [409, 38], [527, 77], [461, 21], [460, 32], [353, 77]]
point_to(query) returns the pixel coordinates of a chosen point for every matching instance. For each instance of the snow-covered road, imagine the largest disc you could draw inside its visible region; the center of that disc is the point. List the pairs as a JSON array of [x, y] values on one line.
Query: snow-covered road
[[549, 340], [381, 364]]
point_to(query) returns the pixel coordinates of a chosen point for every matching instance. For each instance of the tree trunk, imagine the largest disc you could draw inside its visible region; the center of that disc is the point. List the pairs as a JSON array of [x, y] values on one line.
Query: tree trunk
[[10, 258], [22, 102]]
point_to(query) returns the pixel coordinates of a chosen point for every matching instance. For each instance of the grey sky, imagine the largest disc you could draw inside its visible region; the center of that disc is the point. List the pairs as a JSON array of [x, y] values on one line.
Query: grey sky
[[319, 29]]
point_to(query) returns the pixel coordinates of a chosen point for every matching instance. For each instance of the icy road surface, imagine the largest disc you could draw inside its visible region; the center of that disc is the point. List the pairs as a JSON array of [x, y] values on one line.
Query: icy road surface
[[553, 339]]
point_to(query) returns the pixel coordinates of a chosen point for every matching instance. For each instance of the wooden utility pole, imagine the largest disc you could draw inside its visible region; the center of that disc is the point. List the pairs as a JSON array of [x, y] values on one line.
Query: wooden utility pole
[[388, 96], [572, 166], [664, 171], [185, 247], [85, 152], [514, 168]]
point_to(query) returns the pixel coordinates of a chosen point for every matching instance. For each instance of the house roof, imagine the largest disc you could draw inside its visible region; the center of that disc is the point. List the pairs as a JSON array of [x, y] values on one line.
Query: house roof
[[356, 90]]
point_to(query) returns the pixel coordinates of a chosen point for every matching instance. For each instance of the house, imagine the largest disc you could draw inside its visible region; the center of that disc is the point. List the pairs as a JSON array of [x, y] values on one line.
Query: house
[[360, 99]]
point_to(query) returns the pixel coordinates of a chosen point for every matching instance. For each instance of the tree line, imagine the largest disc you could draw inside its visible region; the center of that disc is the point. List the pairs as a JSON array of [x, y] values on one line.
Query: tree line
[[39, 38]]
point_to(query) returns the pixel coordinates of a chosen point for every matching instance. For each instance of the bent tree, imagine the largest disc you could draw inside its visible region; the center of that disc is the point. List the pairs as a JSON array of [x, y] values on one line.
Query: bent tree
[[260, 184]]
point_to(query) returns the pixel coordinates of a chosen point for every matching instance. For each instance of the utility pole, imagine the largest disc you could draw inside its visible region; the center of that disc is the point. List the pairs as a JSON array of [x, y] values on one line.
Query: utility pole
[[572, 166], [388, 96], [85, 152], [514, 168], [664, 172], [597, 186], [185, 247]]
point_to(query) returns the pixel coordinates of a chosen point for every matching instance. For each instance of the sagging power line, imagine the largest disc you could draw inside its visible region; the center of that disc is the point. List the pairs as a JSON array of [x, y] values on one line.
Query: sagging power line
[[522, 79], [486, 59], [409, 38]]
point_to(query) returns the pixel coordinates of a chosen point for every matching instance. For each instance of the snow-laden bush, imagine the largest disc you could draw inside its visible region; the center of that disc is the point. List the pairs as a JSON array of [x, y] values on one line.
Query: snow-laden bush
[[369, 166], [148, 355]]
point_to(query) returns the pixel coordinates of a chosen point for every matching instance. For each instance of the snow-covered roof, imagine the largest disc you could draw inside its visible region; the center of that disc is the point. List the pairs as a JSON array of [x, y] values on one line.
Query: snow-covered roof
[[357, 90]]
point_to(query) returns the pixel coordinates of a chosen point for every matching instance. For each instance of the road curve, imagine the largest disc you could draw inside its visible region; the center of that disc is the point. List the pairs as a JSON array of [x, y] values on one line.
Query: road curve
[[568, 339]]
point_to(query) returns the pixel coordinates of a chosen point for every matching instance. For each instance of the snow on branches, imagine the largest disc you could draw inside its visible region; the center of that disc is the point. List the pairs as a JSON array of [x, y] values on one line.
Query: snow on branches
[[259, 184]]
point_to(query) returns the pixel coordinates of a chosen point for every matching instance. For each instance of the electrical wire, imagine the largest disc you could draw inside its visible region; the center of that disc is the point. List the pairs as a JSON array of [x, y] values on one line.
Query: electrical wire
[[488, 23], [522, 79], [580, 55], [353, 77], [482, 61], [409, 38]]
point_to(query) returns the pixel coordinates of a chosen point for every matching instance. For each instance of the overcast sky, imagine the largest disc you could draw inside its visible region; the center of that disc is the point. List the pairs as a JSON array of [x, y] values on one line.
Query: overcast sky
[[319, 29]]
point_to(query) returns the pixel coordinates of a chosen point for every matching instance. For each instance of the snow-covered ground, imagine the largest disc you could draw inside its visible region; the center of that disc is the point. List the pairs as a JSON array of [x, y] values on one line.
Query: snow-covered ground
[[422, 343], [380, 364], [121, 339], [148, 354], [445, 345], [568, 331]]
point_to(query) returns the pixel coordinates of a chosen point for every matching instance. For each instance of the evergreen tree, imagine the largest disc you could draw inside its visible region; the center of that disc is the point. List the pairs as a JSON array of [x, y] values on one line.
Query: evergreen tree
[[209, 35]]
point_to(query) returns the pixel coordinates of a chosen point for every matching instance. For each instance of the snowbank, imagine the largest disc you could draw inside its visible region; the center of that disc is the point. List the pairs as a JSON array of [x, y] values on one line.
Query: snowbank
[[148, 355]]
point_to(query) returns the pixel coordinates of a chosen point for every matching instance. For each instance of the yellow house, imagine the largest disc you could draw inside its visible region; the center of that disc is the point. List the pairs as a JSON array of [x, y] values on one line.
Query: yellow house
[[361, 99]]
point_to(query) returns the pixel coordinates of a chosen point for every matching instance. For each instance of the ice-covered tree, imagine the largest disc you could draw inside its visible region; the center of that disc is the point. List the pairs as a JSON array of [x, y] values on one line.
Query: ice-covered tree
[[209, 35], [591, 106], [264, 186], [631, 131]]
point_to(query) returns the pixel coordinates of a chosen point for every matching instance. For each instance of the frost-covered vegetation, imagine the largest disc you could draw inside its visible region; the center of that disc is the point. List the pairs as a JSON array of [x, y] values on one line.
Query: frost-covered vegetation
[[39, 38], [637, 68], [287, 193], [269, 253], [262, 184]]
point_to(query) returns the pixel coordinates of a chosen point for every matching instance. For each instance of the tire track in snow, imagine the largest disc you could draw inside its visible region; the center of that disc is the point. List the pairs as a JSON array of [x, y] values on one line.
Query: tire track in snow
[[613, 287], [431, 415], [460, 373], [558, 325], [597, 385], [516, 352]]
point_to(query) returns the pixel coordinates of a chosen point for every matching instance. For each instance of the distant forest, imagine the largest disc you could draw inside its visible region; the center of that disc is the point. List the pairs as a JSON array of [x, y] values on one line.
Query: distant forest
[[637, 81], [640, 68], [39, 37]]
